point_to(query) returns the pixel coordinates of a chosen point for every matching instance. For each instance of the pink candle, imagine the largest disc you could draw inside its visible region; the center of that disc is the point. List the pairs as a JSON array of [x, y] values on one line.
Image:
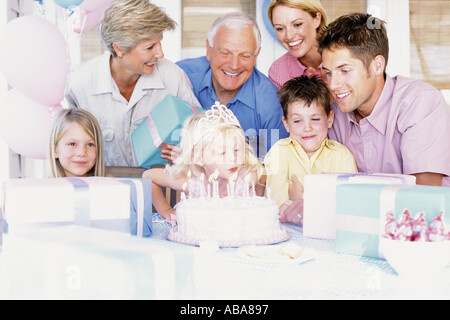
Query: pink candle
[[253, 188], [247, 185], [216, 184], [231, 183], [189, 182]]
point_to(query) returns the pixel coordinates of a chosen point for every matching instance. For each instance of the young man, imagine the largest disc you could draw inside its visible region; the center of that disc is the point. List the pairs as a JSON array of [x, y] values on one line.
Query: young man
[[390, 124]]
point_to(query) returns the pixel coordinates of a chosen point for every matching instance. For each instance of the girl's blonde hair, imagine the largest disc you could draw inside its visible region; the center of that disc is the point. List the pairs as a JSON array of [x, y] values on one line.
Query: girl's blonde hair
[[310, 6], [61, 124], [198, 133], [128, 22]]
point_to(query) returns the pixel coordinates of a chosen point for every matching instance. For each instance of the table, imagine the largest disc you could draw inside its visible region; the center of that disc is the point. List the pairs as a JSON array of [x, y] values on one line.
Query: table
[[226, 274], [155, 268]]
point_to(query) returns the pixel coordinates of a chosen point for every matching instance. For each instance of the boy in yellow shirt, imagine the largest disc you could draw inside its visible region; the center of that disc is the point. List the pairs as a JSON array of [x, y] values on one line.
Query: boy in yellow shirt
[[307, 116]]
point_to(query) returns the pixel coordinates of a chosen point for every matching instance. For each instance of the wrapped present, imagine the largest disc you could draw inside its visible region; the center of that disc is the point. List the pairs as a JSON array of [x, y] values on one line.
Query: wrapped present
[[121, 204], [1, 227], [161, 127], [361, 211], [73, 262], [319, 208]]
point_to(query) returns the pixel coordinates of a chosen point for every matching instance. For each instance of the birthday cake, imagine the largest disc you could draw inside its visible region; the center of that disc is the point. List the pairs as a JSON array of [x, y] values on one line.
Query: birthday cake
[[229, 221]]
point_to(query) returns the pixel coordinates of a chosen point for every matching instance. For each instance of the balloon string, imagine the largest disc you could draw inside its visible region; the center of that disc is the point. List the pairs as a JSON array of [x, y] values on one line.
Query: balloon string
[[83, 24], [40, 6]]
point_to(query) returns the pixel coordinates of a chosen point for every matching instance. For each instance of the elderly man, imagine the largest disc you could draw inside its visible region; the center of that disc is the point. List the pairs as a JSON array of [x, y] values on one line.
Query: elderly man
[[390, 124], [227, 74]]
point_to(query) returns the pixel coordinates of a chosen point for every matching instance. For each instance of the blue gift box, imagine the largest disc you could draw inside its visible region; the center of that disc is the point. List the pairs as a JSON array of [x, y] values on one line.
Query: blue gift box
[[160, 128], [361, 211], [141, 206], [120, 204]]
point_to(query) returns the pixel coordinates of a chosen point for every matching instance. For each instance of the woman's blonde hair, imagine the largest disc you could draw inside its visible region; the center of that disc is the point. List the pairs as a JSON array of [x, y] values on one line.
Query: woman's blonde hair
[[128, 22], [61, 124], [197, 134], [310, 6]]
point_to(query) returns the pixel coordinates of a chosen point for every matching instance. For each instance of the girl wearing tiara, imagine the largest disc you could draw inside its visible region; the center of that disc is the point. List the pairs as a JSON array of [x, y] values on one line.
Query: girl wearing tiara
[[213, 146], [76, 145]]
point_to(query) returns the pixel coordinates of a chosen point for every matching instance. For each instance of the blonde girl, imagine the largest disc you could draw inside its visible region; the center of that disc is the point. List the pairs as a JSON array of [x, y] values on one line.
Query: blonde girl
[[76, 145], [212, 144]]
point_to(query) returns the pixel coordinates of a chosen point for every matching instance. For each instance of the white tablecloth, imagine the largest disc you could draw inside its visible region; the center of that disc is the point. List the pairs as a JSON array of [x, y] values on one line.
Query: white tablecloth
[[155, 268], [226, 274]]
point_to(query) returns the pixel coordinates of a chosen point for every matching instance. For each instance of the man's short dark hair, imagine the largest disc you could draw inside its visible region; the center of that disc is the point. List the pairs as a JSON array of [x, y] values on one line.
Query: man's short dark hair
[[362, 34]]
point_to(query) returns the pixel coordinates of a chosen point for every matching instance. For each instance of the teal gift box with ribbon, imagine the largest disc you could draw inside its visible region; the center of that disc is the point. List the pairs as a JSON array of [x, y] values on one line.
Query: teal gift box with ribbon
[[361, 211], [118, 204], [161, 127], [319, 216]]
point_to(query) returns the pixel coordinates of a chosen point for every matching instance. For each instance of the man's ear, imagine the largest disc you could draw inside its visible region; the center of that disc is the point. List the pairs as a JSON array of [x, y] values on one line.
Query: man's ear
[[208, 50], [378, 65]]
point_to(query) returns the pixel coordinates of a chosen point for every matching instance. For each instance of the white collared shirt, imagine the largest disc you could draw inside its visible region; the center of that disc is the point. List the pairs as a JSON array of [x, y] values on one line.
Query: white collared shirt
[[91, 87]]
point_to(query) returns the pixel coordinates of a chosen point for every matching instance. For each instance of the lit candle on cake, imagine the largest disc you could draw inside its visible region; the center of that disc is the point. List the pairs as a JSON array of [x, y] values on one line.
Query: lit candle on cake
[[183, 194], [231, 184], [253, 188], [216, 184], [189, 182], [247, 185], [203, 192], [210, 180]]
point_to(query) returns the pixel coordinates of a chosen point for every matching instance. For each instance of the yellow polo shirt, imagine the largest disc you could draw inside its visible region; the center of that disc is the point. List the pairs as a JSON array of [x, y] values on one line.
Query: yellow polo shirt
[[287, 157]]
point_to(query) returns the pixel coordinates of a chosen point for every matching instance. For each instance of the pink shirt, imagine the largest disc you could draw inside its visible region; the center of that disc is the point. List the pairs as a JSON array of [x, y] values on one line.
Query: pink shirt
[[407, 132], [287, 67]]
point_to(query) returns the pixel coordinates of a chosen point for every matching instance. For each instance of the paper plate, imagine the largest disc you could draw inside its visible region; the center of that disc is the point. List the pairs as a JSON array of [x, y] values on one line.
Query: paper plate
[[271, 254]]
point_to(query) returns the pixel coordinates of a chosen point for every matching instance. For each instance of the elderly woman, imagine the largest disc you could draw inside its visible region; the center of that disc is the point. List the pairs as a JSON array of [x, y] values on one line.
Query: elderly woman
[[122, 87], [296, 24]]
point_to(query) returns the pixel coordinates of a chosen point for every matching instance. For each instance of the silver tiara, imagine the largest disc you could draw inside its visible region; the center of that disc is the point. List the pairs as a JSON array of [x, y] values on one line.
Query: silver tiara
[[218, 116]]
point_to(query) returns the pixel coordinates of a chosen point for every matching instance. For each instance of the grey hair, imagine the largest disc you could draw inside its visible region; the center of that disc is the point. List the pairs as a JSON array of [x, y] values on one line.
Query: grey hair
[[236, 21]]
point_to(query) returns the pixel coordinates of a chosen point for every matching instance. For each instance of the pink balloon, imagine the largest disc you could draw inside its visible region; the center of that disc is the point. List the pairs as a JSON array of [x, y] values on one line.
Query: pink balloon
[[25, 124], [33, 59], [93, 5], [83, 21]]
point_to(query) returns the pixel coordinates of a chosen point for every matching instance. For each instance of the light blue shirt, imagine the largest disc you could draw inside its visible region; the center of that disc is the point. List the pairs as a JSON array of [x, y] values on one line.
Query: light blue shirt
[[255, 105]]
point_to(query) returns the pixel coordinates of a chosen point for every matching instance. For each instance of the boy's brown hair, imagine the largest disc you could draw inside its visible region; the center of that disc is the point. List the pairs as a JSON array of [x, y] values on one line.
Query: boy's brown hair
[[362, 34], [307, 90]]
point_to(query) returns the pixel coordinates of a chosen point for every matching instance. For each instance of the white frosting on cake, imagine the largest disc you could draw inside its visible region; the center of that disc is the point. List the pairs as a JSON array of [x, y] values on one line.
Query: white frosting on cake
[[231, 221]]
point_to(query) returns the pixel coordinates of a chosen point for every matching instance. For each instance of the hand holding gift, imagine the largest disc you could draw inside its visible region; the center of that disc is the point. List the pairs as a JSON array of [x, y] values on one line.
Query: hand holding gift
[[170, 153]]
